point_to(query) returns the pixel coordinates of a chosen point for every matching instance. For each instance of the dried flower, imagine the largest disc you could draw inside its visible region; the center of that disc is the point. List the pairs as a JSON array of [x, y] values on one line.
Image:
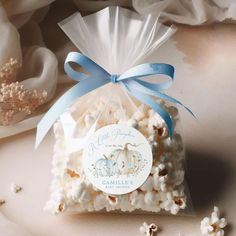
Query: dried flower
[[9, 70], [14, 98], [213, 225], [15, 188]]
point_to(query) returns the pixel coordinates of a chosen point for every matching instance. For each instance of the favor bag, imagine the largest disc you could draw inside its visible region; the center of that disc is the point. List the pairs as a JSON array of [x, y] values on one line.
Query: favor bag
[[115, 148]]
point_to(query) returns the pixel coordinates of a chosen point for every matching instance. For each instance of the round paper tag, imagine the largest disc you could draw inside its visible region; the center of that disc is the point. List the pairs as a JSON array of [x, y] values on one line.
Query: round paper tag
[[117, 159]]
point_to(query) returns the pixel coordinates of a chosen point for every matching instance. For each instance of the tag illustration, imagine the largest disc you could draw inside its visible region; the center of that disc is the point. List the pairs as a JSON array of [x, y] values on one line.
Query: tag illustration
[[117, 159]]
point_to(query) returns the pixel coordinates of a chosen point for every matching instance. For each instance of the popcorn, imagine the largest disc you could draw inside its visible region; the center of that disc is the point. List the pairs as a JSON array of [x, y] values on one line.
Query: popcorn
[[113, 200], [100, 202], [57, 203], [148, 230], [15, 188], [172, 201], [137, 199], [80, 192], [213, 225], [163, 188], [150, 199], [160, 177], [148, 184], [2, 202], [133, 123], [138, 115]]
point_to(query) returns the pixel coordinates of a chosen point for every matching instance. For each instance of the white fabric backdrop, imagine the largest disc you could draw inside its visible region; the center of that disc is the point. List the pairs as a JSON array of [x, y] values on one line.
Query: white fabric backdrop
[[190, 12]]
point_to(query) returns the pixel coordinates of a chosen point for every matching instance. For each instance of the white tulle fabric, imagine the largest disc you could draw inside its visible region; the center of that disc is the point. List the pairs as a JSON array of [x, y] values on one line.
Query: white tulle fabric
[[39, 65], [116, 38], [190, 12]]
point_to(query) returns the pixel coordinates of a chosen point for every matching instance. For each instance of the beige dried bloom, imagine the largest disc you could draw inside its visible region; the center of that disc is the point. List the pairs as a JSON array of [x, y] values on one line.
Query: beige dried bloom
[[14, 99], [9, 70]]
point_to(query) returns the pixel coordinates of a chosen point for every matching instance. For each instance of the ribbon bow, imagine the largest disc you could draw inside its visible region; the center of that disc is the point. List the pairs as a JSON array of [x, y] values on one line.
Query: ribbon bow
[[140, 89]]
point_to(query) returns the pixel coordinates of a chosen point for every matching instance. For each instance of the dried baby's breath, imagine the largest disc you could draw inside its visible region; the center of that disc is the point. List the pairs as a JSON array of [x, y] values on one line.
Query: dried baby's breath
[[9, 70], [14, 98]]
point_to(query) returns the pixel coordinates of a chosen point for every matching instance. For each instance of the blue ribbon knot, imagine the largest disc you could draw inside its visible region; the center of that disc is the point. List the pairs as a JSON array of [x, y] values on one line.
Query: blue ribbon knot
[[114, 78], [130, 80]]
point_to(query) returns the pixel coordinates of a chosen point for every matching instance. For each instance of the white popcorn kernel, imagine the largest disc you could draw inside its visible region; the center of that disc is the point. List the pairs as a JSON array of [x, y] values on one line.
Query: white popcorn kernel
[[150, 198], [137, 199], [160, 177], [148, 185], [79, 192], [213, 225], [156, 120], [55, 207], [57, 202], [147, 229], [138, 115], [133, 123], [173, 202], [100, 202], [113, 200], [58, 196], [15, 188], [124, 203]]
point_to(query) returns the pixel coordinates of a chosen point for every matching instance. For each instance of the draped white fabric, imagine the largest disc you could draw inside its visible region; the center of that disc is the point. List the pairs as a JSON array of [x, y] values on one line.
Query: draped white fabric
[[39, 65], [190, 12]]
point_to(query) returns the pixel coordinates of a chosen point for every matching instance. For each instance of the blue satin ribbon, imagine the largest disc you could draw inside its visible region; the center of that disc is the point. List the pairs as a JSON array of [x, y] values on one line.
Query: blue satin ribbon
[[130, 80]]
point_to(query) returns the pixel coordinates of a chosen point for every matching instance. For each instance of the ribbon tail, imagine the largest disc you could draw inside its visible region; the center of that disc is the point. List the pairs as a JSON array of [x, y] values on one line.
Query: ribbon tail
[[138, 85], [151, 103], [80, 89]]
